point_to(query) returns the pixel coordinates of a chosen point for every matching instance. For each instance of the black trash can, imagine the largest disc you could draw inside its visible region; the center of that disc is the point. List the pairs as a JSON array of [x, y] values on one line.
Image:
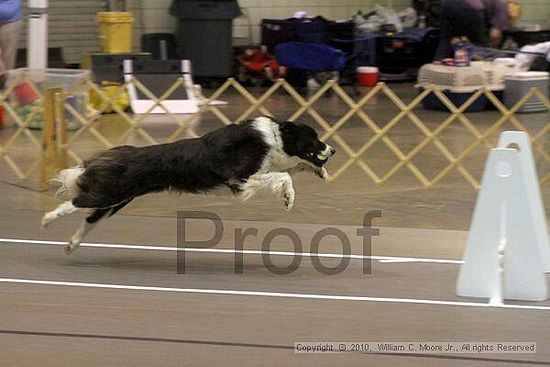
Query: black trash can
[[204, 35]]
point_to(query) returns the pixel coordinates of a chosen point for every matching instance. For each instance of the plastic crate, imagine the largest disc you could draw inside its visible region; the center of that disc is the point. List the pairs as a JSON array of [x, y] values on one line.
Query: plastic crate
[[25, 100], [457, 83], [71, 80], [431, 102], [519, 84]]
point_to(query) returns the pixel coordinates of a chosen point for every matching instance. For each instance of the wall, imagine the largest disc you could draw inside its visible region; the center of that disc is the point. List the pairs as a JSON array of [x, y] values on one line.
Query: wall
[[535, 11], [73, 25], [155, 17]]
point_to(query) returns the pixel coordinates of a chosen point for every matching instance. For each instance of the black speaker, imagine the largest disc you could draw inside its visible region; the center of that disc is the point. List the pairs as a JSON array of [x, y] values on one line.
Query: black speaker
[[158, 76], [108, 67], [162, 46]]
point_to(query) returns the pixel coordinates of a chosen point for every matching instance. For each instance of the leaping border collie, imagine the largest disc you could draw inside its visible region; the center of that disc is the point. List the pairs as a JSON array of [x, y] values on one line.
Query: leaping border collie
[[245, 158]]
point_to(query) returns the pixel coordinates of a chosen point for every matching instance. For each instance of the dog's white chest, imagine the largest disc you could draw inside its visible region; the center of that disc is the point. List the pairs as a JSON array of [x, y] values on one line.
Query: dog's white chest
[[276, 158]]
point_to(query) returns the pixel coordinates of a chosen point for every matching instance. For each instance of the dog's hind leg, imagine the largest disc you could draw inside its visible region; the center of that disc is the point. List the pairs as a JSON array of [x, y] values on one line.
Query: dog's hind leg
[[280, 183], [85, 227], [89, 223], [65, 208]]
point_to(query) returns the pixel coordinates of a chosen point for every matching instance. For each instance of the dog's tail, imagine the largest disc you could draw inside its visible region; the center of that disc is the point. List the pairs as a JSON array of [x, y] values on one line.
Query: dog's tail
[[67, 179]]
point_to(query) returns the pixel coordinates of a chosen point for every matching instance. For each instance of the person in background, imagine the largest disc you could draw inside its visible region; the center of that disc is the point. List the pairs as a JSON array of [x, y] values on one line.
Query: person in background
[[481, 21], [11, 15]]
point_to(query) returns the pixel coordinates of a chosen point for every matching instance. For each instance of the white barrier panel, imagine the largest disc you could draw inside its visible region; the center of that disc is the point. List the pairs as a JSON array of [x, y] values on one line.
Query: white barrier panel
[[506, 246], [521, 140]]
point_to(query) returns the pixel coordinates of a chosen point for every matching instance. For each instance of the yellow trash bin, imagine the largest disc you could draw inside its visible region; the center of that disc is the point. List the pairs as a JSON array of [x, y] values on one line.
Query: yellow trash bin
[[115, 31]]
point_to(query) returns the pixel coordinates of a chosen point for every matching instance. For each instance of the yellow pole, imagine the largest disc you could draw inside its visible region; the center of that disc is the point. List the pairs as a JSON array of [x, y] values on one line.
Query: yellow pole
[[61, 127], [50, 162]]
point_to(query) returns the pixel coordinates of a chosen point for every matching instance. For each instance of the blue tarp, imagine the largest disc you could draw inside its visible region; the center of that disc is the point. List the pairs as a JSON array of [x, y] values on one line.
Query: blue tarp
[[315, 57]]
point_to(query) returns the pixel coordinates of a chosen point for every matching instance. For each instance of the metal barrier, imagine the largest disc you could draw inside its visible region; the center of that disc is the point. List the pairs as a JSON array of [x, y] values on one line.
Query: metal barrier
[[57, 148]]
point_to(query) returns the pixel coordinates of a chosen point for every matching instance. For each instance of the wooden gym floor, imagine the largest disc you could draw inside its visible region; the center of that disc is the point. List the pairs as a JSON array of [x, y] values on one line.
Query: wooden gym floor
[[119, 300]]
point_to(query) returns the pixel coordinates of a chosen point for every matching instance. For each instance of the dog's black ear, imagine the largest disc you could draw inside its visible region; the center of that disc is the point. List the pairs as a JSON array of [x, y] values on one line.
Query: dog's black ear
[[286, 126], [290, 137]]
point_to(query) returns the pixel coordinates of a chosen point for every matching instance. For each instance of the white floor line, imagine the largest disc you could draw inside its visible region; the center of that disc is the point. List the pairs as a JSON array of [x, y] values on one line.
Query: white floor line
[[384, 259], [269, 294]]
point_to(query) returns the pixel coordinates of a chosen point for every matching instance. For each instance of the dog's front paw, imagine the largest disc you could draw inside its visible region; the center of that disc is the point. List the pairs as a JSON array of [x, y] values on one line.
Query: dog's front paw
[[322, 173], [288, 197], [46, 220]]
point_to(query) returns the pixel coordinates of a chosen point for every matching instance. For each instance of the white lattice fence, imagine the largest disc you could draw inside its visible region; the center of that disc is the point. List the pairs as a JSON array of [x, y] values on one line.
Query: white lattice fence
[[306, 105]]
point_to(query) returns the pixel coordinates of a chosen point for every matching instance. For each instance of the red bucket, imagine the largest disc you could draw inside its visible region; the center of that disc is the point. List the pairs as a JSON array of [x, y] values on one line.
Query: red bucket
[[367, 76]]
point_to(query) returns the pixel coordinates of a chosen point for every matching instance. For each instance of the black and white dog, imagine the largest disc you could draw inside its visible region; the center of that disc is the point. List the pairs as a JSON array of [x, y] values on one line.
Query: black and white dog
[[244, 158]]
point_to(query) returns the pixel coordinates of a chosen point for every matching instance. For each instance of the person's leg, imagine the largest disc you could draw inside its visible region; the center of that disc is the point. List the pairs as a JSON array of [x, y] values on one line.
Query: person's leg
[[476, 29], [444, 47], [459, 19], [9, 40], [2, 63], [447, 20]]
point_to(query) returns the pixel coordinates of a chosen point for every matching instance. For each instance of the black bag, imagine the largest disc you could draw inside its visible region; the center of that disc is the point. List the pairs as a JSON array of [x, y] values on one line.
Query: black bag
[[277, 31], [431, 10]]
